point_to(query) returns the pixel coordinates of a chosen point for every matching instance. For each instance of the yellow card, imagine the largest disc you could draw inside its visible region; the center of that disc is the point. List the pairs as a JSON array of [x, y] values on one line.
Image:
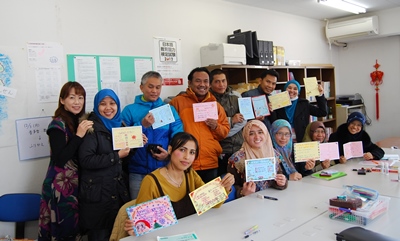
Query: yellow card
[[127, 136], [306, 150], [280, 100], [311, 86], [208, 195]]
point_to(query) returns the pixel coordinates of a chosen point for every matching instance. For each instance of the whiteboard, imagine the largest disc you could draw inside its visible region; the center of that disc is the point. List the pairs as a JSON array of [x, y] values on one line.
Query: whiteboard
[[32, 138]]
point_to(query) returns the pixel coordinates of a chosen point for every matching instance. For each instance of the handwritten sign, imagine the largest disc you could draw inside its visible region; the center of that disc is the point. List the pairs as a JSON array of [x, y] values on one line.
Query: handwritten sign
[[246, 108], [311, 86], [162, 116], [260, 106], [152, 215], [353, 149], [260, 169], [280, 100], [329, 151], [306, 150], [32, 137], [127, 137], [208, 195], [205, 110], [7, 91]]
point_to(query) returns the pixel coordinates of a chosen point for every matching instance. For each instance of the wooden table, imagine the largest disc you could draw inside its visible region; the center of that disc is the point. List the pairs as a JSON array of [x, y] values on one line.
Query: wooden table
[[389, 142]]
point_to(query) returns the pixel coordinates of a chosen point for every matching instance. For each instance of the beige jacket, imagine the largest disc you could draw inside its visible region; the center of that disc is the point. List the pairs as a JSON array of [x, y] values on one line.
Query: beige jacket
[[118, 231]]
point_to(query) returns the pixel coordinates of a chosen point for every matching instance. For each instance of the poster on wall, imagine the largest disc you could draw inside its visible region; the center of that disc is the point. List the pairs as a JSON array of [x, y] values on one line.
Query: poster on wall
[[168, 60]]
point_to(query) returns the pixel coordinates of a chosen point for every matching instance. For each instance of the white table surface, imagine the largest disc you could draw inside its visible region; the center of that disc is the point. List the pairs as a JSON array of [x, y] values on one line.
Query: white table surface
[[298, 204]]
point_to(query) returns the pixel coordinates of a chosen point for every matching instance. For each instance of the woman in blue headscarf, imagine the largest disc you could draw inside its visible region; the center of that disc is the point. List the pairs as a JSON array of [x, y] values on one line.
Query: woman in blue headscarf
[[103, 183], [281, 135], [298, 114]]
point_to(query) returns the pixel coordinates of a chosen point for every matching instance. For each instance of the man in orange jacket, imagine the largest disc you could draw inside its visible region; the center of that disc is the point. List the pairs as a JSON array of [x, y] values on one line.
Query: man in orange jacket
[[209, 132]]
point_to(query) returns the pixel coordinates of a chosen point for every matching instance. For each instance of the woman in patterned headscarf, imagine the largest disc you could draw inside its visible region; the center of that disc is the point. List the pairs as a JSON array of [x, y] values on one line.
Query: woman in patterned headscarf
[[257, 144]]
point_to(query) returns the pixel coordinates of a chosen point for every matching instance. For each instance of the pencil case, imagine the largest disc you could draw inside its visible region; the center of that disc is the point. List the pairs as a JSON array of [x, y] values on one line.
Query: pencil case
[[350, 203], [364, 193]]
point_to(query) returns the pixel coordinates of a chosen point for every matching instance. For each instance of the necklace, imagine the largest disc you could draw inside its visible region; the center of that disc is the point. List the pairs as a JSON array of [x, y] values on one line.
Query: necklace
[[173, 180]]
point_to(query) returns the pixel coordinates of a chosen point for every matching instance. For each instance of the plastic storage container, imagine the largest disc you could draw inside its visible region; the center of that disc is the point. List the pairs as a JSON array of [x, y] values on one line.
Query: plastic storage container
[[360, 216]]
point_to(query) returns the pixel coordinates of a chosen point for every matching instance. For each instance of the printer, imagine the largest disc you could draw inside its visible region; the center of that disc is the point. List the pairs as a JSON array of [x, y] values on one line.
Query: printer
[[224, 53], [349, 99]]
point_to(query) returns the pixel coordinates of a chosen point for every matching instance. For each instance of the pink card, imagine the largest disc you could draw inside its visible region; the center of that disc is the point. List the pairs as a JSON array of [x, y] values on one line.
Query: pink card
[[329, 151], [205, 110], [353, 149]]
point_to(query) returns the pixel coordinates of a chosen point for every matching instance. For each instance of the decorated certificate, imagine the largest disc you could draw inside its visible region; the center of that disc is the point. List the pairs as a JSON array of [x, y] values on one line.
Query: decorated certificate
[[208, 195], [306, 150], [162, 116], [127, 137], [260, 169], [329, 151], [151, 215], [205, 110], [280, 100], [246, 108], [353, 149], [311, 86], [260, 105]]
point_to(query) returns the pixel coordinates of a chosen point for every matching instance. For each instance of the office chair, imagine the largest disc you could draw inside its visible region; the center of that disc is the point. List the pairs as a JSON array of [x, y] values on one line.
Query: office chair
[[19, 208]]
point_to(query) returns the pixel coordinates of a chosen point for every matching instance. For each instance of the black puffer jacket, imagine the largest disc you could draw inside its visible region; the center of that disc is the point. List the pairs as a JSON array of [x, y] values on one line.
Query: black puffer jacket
[[103, 185]]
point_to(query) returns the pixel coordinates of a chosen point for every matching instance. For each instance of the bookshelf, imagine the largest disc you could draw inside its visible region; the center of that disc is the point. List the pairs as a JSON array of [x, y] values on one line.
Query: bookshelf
[[246, 77]]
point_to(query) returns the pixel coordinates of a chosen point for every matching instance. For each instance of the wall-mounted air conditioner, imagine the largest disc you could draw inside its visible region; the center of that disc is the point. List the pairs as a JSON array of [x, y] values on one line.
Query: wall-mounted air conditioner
[[352, 29]]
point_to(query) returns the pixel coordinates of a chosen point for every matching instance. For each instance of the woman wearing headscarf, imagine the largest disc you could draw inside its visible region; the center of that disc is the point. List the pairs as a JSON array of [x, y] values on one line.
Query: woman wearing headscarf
[[353, 130], [103, 183], [298, 114], [281, 135], [316, 131], [257, 144]]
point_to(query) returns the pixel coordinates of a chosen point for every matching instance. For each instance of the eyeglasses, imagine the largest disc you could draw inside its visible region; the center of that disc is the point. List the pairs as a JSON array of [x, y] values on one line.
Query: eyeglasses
[[281, 134]]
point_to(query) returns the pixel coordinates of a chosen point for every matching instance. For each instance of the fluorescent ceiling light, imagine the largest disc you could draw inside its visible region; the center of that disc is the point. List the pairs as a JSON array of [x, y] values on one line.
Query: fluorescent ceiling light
[[343, 5]]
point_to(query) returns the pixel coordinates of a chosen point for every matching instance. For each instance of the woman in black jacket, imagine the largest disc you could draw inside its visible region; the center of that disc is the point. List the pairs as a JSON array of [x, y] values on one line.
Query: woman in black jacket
[[103, 183]]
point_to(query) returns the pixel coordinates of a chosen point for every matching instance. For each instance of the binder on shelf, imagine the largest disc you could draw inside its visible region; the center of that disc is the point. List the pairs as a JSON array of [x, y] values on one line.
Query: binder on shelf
[[327, 88]]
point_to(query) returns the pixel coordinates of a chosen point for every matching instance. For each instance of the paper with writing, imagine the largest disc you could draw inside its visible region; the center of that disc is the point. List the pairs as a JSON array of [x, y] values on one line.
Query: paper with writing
[[205, 110], [179, 237], [306, 150], [280, 100], [260, 105], [162, 116], [329, 151], [127, 137], [311, 86], [353, 149], [208, 195], [260, 169], [246, 108]]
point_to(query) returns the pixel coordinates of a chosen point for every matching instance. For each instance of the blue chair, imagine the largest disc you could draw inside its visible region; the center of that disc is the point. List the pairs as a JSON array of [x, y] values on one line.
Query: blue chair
[[19, 208]]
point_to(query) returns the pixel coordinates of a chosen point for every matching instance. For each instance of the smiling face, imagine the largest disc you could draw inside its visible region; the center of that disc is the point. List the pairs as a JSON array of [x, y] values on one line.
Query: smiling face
[[200, 84], [183, 157], [73, 102], [219, 83], [282, 137], [293, 91], [108, 108], [355, 127], [319, 135], [151, 89], [268, 84], [256, 137]]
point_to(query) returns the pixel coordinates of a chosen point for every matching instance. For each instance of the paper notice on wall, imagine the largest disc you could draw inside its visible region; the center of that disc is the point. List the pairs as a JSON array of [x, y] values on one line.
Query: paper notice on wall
[[168, 60]]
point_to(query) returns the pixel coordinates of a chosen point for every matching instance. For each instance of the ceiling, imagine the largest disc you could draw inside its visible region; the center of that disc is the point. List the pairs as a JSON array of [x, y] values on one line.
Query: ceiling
[[312, 9]]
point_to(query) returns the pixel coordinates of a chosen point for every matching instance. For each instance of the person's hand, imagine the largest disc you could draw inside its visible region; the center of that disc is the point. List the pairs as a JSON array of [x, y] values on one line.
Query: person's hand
[[227, 181], [295, 176], [368, 156], [145, 139], [320, 89], [280, 180], [124, 152], [128, 227], [83, 127], [326, 164], [148, 120], [237, 118], [310, 164], [342, 160], [248, 188], [161, 156], [270, 107], [260, 118], [212, 123]]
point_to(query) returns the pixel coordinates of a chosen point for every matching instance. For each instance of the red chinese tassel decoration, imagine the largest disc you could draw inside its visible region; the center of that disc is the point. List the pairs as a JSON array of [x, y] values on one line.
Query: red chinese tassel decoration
[[376, 79]]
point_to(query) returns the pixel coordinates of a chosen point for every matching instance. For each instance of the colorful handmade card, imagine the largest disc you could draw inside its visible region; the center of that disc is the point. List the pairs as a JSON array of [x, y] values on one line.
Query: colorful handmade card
[[246, 108], [306, 150], [329, 151], [353, 149], [127, 137], [280, 100], [179, 237], [151, 215], [260, 105], [311, 86], [208, 195], [260, 169], [328, 178], [205, 110], [162, 116]]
